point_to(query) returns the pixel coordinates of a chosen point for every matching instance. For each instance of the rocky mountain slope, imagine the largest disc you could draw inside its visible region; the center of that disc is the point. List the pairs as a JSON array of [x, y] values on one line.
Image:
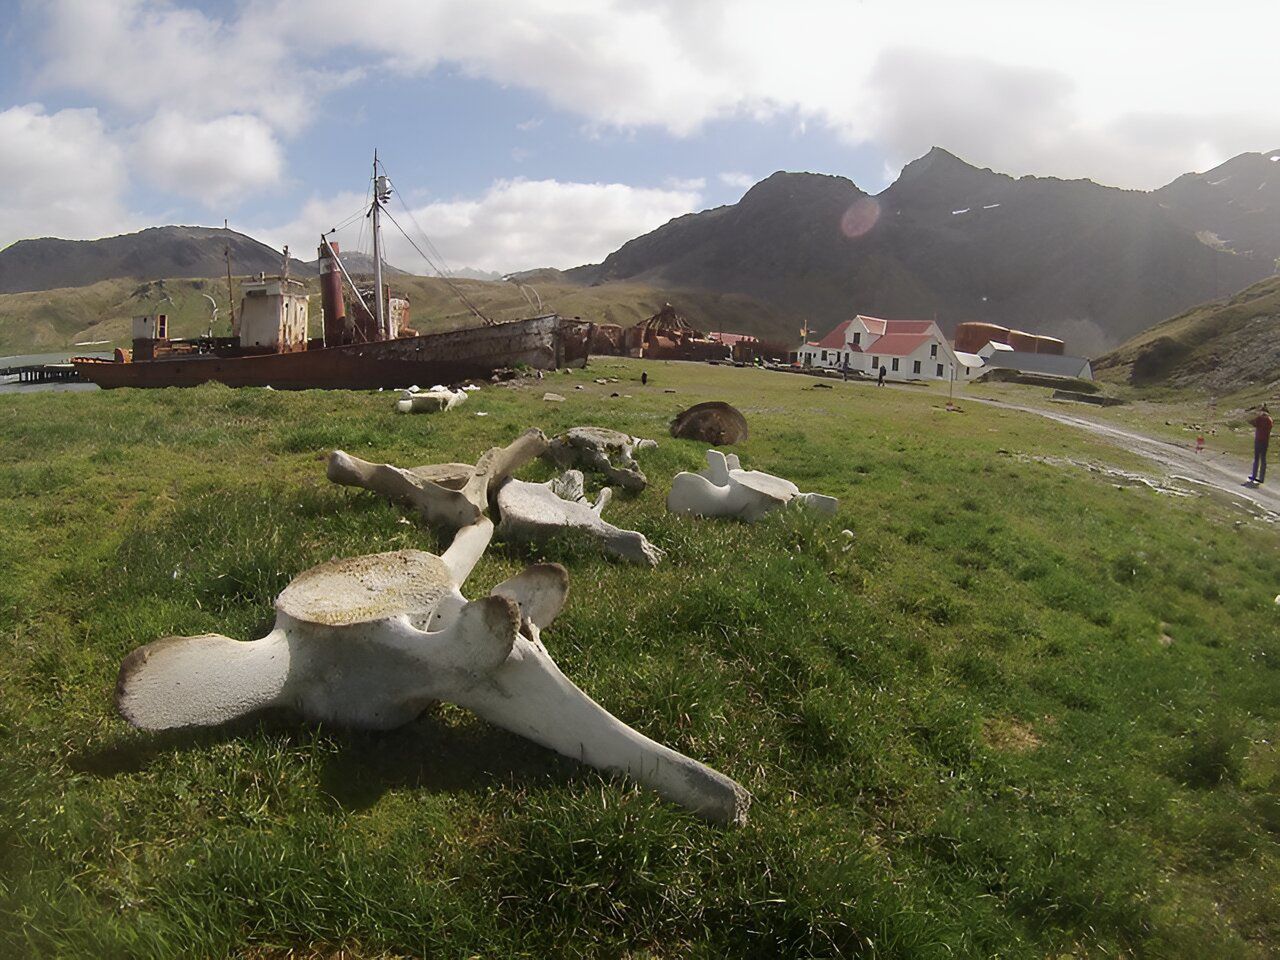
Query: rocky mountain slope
[[950, 241], [1235, 205], [1224, 347]]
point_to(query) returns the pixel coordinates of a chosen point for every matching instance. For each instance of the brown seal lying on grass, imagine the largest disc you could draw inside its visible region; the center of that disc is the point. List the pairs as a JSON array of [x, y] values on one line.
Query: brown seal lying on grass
[[713, 422]]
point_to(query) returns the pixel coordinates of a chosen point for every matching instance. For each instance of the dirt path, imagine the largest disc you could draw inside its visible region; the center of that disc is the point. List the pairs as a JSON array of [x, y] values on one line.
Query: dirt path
[[1221, 474]]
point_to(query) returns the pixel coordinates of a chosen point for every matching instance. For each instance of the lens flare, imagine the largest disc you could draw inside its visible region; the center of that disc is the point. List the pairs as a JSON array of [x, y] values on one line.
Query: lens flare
[[860, 217]]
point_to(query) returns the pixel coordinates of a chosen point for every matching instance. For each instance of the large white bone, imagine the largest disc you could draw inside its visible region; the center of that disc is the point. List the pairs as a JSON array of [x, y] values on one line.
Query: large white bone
[[540, 511], [430, 401], [451, 495], [349, 647], [724, 489], [607, 452]]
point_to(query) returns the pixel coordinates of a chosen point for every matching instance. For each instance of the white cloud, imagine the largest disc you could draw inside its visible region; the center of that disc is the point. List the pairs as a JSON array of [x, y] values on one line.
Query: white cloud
[[1101, 71], [527, 126], [736, 179], [63, 176], [514, 225], [212, 161], [686, 183], [150, 55]]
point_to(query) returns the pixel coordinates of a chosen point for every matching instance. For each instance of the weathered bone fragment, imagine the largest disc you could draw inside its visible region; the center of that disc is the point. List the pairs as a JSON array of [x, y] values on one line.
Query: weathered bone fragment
[[430, 401], [371, 641], [607, 452], [540, 511], [451, 495], [724, 489]]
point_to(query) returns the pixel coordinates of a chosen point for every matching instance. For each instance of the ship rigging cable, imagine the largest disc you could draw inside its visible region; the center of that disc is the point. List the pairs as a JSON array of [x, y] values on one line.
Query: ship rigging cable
[[448, 280]]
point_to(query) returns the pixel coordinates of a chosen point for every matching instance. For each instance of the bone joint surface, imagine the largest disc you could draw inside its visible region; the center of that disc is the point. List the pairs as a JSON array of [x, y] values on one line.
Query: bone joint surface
[[371, 641], [724, 489], [607, 452], [540, 511]]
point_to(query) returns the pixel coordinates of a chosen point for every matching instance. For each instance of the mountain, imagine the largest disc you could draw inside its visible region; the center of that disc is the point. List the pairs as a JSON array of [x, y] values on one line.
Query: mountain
[[950, 241], [1224, 346], [1235, 205], [156, 253]]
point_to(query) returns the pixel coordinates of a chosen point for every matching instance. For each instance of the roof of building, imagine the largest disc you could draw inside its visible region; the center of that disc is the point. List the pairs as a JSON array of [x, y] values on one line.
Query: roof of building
[[1051, 364], [835, 339], [969, 359], [906, 326], [897, 344], [729, 339]]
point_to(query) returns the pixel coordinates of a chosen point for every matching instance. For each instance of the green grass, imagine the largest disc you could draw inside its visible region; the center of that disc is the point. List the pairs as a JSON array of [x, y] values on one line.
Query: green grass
[[963, 731]]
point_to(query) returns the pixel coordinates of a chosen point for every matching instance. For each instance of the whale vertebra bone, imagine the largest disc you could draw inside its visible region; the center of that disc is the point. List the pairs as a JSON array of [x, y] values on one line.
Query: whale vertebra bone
[[724, 489], [371, 641]]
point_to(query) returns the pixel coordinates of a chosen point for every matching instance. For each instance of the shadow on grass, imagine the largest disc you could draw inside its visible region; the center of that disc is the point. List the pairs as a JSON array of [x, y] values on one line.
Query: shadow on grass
[[358, 767]]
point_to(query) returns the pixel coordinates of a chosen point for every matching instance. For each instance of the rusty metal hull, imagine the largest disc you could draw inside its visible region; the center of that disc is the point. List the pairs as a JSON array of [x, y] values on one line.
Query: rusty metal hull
[[542, 343]]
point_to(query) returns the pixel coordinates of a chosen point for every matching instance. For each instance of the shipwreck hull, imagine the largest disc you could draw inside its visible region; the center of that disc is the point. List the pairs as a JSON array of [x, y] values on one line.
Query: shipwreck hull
[[543, 343]]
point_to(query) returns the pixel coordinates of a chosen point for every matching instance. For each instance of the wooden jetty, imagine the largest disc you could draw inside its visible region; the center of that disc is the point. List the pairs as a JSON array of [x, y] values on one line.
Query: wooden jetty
[[43, 373]]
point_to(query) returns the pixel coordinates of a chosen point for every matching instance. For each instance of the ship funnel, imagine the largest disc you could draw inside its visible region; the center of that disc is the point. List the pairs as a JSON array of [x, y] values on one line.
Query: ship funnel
[[331, 300]]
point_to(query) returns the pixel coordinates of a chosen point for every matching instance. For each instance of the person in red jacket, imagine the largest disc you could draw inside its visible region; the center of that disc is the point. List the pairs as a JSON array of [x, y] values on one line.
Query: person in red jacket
[[1261, 435]]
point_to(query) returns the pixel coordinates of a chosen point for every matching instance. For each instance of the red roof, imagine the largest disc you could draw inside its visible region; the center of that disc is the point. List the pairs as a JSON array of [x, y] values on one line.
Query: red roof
[[907, 326], [835, 339], [897, 344], [729, 338]]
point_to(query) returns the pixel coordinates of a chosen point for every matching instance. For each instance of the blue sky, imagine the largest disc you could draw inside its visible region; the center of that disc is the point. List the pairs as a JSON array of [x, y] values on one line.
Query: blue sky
[[547, 132]]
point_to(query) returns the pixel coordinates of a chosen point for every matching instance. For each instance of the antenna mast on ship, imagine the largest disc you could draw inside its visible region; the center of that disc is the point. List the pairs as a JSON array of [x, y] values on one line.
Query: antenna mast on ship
[[231, 302], [381, 193]]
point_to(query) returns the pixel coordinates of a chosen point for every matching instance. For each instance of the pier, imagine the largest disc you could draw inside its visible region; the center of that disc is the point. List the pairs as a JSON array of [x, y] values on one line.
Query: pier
[[43, 373]]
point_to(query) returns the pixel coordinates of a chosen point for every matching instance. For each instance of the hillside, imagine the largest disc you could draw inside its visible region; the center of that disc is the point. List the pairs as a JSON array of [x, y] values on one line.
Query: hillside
[[54, 320], [1092, 264], [152, 254], [1223, 346]]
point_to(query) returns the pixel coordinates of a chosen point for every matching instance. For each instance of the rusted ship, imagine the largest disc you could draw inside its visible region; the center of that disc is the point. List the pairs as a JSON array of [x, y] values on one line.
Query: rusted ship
[[367, 341]]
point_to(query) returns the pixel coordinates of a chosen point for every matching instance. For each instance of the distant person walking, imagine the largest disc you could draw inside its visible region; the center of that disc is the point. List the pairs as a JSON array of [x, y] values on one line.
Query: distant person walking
[[1261, 436], [883, 373]]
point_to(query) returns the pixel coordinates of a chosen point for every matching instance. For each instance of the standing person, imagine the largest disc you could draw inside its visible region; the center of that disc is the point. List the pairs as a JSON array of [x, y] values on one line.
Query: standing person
[[883, 372], [1261, 435], [644, 377]]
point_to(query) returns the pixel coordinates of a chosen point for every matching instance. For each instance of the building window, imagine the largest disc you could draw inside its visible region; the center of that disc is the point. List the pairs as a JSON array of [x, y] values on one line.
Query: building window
[[915, 366], [824, 356], [939, 369], [857, 339], [894, 363], [875, 363], [933, 350]]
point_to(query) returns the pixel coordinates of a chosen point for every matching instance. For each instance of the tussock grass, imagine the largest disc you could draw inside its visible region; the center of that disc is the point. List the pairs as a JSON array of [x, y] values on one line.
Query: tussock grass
[[963, 730]]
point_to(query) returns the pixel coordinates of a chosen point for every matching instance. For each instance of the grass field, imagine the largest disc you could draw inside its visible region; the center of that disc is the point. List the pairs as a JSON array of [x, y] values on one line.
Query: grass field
[[1022, 713]]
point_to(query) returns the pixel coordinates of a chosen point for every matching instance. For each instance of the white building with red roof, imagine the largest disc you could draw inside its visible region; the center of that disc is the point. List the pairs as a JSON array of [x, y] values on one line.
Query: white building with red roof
[[907, 349]]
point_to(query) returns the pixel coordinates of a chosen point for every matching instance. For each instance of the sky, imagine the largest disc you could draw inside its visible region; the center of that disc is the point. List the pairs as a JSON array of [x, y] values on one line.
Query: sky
[[527, 133]]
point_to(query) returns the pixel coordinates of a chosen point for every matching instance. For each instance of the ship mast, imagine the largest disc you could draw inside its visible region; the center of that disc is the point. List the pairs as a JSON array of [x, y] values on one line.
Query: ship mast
[[381, 191]]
